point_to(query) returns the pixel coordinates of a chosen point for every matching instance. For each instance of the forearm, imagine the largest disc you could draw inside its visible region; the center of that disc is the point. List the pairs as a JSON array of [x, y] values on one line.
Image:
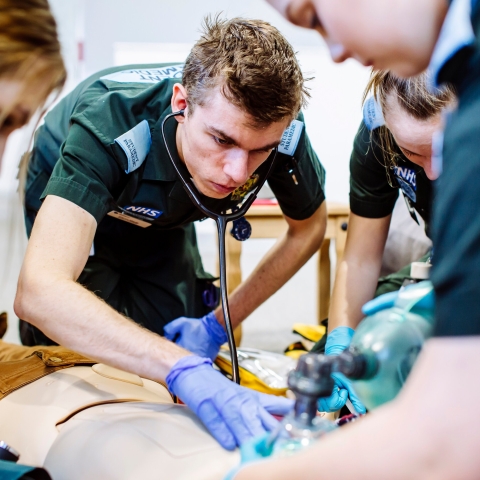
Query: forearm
[[421, 435], [49, 297], [355, 284], [358, 271], [355, 452], [283, 260], [77, 319]]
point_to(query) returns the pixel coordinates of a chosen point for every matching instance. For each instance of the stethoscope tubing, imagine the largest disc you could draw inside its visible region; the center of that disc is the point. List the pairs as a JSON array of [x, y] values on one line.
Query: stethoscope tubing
[[221, 220]]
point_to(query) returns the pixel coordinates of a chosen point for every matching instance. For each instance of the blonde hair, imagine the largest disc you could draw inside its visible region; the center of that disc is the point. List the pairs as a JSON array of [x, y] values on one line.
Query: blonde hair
[[254, 65], [414, 95], [29, 48]]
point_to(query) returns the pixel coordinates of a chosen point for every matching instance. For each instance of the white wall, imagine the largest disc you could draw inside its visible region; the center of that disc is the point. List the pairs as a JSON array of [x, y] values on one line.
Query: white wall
[[334, 112]]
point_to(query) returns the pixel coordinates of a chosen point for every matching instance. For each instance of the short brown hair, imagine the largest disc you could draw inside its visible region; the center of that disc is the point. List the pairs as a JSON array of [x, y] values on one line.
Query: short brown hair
[[253, 64], [29, 47], [415, 95]]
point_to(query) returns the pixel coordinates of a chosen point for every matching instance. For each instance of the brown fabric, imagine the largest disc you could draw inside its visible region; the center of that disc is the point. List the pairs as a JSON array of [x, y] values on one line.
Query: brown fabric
[[21, 365]]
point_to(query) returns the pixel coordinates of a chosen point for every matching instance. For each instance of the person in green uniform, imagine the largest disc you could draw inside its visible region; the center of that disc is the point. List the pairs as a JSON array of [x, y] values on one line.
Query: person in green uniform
[[392, 152], [113, 263]]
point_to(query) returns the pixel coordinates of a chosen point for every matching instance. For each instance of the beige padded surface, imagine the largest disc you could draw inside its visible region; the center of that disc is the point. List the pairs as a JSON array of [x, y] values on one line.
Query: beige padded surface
[[116, 374], [134, 441], [29, 416]]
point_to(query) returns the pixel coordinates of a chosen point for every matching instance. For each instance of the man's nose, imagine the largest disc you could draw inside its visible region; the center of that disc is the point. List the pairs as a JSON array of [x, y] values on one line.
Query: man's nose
[[338, 52], [236, 166]]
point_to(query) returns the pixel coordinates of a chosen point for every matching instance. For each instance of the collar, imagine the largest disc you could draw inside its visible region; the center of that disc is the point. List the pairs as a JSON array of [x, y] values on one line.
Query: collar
[[158, 164], [456, 33]]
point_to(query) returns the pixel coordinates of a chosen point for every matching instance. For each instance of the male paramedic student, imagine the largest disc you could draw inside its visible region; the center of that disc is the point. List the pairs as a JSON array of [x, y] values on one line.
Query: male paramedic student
[[427, 432], [241, 87]]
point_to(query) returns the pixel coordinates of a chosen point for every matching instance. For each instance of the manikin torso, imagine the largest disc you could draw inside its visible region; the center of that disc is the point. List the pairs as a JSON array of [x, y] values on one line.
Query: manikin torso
[[101, 423]]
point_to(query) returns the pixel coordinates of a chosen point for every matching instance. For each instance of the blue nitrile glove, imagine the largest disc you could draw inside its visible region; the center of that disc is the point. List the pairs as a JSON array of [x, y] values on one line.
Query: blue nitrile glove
[[202, 336], [387, 300], [232, 413], [252, 451], [337, 341]]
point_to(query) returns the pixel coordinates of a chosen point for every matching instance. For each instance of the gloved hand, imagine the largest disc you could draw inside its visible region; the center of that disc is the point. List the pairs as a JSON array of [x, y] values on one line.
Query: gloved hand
[[418, 293], [337, 341], [387, 300], [251, 451], [202, 336], [232, 413]]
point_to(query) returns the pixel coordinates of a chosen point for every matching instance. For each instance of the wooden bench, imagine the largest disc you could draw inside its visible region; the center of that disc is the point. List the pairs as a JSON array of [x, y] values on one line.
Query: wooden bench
[[267, 222]]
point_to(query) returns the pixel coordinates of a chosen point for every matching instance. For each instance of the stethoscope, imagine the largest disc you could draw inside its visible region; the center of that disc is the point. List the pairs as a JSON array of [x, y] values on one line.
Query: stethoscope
[[221, 219]]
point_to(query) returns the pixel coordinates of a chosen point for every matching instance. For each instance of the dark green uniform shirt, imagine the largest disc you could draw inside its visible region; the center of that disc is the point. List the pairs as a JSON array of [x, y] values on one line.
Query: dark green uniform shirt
[[14, 471], [456, 218], [102, 149], [374, 186]]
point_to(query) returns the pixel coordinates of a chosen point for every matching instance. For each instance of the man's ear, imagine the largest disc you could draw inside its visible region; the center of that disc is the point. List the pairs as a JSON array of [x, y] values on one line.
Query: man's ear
[[179, 101]]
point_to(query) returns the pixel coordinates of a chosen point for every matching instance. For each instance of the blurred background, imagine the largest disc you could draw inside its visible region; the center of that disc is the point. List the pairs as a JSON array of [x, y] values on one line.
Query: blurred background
[[96, 34]]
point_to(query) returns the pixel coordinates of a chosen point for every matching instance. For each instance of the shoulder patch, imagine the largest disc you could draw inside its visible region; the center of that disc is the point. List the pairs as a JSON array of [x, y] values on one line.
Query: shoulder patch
[[290, 138], [136, 145], [150, 75], [372, 114]]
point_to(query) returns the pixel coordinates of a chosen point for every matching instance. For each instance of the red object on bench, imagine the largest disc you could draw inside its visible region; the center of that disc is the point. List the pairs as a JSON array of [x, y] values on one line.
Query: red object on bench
[[265, 201]]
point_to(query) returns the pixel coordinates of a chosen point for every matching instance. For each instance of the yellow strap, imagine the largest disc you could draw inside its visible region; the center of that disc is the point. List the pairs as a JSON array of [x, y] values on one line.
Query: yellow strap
[[311, 332]]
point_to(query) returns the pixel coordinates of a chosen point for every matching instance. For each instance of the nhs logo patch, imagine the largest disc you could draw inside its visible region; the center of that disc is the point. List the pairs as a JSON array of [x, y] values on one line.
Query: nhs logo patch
[[146, 212], [407, 179]]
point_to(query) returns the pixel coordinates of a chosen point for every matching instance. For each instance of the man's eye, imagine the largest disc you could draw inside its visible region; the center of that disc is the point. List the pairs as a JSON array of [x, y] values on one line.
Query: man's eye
[[410, 154], [220, 141], [9, 121], [315, 23], [304, 15]]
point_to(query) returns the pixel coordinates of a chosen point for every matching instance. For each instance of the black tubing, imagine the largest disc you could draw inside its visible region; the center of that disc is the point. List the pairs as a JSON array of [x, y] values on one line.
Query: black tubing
[[221, 227]]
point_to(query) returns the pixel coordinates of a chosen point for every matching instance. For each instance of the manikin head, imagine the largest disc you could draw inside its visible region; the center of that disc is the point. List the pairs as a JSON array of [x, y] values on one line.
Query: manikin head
[[31, 65], [241, 88], [398, 35], [412, 113]]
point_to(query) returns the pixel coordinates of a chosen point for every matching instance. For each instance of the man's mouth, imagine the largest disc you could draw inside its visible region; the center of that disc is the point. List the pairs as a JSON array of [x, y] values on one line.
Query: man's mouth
[[224, 189]]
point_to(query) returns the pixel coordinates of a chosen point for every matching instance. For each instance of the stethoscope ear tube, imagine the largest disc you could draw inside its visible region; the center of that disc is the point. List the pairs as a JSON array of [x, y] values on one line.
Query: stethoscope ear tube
[[221, 219]]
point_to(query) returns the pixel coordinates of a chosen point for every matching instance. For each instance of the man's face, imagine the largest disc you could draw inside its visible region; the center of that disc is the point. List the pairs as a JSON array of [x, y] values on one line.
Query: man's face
[[388, 35], [219, 145]]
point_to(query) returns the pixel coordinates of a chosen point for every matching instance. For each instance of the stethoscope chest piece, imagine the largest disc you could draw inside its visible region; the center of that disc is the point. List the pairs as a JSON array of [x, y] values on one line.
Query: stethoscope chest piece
[[241, 229]]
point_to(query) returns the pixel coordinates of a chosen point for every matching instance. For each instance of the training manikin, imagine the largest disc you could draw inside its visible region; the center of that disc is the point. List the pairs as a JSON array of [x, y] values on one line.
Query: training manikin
[[81, 420]]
